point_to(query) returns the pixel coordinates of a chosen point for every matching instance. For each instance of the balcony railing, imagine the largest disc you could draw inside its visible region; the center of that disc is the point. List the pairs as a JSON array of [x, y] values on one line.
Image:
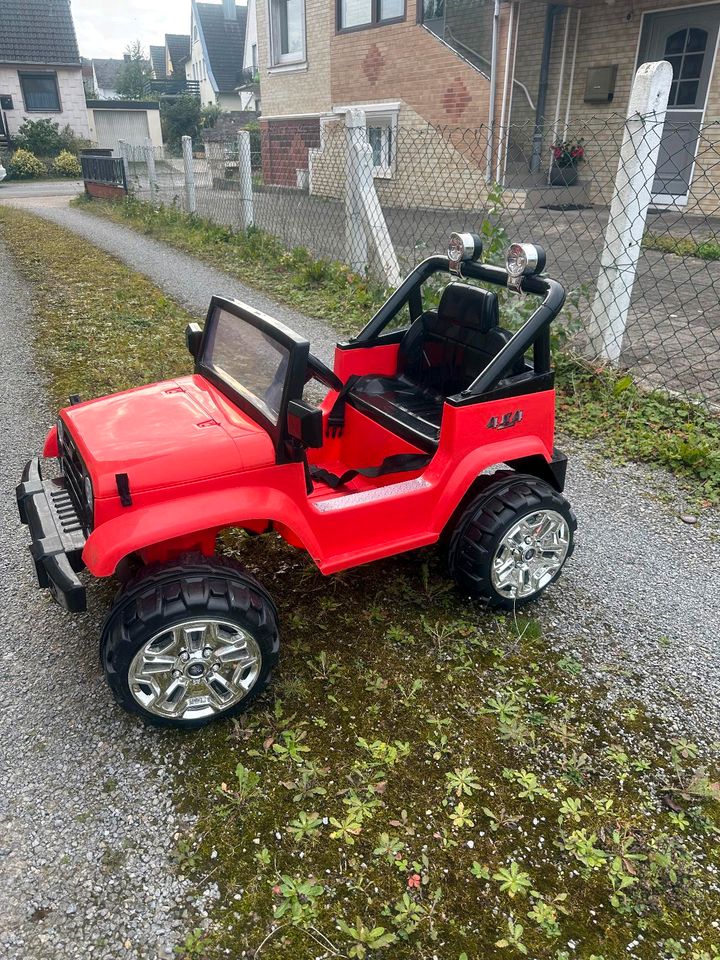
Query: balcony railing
[[172, 87]]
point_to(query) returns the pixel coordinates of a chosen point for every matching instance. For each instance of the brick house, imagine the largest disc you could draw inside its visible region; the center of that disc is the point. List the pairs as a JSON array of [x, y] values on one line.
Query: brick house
[[458, 69], [41, 73]]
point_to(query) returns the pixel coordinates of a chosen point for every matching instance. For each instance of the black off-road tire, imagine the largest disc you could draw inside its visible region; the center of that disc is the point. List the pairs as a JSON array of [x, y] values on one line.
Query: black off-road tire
[[502, 500], [164, 595]]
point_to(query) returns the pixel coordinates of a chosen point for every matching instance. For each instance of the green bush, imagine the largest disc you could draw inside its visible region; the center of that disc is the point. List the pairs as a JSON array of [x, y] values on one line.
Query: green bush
[[44, 138], [180, 118], [25, 166], [66, 165]]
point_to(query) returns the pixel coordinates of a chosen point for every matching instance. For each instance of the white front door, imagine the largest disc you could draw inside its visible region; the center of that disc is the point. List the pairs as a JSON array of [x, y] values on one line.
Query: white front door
[[687, 39]]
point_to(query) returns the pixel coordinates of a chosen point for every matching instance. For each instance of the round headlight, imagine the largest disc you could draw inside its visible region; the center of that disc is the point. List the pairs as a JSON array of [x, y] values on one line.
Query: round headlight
[[524, 259], [463, 246], [89, 493]]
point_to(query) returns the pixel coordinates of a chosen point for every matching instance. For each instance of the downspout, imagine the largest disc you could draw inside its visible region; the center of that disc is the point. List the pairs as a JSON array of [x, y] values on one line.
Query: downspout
[[561, 80], [536, 156], [509, 63], [572, 73], [493, 88]]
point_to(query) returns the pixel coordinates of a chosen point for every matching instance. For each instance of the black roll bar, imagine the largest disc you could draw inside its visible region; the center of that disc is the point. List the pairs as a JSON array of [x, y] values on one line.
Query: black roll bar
[[535, 332]]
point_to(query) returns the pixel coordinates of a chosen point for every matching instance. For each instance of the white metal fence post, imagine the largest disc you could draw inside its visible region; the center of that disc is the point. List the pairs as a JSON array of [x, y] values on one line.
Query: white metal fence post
[[123, 151], [190, 195], [247, 213], [151, 169], [628, 210], [355, 236], [364, 214]]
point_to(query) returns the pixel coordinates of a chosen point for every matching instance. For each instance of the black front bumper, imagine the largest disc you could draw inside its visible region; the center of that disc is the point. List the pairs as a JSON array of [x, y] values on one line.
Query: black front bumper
[[56, 533]]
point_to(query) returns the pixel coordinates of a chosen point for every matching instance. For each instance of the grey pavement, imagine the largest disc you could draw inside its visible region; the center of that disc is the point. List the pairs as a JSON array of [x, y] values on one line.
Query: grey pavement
[[14, 189]]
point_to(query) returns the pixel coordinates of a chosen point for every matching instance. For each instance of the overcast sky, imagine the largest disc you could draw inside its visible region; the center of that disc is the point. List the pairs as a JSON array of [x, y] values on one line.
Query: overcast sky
[[105, 27]]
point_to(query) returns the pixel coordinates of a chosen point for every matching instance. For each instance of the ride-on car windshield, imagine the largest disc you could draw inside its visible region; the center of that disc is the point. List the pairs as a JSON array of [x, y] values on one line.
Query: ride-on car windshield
[[248, 360]]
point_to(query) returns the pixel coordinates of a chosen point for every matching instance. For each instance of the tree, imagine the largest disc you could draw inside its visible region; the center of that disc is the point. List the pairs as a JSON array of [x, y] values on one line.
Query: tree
[[180, 118], [134, 73]]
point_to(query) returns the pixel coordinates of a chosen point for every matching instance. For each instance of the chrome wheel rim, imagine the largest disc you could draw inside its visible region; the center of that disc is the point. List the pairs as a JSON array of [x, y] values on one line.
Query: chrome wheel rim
[[530, 554], [195, 669]]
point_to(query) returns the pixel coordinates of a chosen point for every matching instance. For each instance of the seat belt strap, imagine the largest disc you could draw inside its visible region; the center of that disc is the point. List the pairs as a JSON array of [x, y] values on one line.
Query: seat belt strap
[[336, 417], [397, 463]]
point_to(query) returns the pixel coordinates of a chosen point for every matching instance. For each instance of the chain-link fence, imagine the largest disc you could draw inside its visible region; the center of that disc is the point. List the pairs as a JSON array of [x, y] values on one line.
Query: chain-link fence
[[388, 204]]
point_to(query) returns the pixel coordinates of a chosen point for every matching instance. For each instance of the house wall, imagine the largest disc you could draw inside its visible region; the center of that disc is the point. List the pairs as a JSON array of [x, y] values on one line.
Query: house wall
[[199, 65], [301, 88], [72, 99], [251, 33], [285, 147], [405, 62], [430, 171], [608, 35]]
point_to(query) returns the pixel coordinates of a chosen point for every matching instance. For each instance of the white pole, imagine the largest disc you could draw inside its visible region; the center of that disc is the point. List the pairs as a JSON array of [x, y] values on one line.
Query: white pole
[[628, 210], [506, 86], [493, 88], [561, 78], [355, 236], [152, 172], [571, 81], [123, 148], [190, 195], [247, 212]]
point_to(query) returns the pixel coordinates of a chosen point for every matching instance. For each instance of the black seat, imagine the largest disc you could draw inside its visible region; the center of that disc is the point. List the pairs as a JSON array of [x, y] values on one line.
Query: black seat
[[441, 354]]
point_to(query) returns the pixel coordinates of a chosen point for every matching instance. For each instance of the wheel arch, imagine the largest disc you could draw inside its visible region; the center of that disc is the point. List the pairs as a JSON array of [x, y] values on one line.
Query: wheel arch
[[177, 520]]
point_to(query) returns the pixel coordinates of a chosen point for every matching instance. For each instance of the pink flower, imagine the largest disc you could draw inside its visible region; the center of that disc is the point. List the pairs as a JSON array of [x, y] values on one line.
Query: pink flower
[[414, 881], [276, 889]]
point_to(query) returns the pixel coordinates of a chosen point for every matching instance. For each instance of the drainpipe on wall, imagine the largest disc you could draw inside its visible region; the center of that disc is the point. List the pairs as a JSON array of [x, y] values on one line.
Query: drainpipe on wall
[[536, 156], [493, 87]]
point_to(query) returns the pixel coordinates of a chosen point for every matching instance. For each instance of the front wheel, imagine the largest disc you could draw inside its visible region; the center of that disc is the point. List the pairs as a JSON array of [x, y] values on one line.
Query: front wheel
[[190, 642], [512, 540]]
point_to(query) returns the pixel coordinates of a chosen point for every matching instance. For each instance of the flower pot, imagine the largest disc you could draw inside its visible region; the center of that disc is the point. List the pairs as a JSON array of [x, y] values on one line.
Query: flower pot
[[563, 176]]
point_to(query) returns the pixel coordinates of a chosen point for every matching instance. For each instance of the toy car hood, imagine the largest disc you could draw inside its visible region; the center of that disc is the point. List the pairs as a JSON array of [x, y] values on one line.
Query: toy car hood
[[175, 432]]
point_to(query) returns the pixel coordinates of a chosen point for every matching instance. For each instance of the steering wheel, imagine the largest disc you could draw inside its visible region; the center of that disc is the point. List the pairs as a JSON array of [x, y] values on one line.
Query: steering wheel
[[317, 370]]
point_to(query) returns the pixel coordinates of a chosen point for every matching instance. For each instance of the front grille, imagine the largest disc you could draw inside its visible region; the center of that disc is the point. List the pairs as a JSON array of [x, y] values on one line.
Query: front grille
[[74, 471]]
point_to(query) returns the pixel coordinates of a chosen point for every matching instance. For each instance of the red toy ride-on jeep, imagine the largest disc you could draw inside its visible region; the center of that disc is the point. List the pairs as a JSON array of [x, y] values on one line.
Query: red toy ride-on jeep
[[430, 396]]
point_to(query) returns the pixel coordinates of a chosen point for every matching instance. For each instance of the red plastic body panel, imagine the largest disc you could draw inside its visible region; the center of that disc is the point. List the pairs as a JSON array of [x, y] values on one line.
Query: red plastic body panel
[[196, 465]]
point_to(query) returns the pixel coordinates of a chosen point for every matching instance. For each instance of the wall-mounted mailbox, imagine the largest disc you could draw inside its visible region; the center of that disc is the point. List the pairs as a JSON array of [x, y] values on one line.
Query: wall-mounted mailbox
[[600, 86], [6, 102]]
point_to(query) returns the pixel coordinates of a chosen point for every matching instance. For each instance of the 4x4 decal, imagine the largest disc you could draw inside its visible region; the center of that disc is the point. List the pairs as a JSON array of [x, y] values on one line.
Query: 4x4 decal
[[505, 421]]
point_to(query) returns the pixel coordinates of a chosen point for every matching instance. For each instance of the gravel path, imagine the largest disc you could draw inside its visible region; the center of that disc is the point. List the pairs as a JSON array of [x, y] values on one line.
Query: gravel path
[[85, 803], [189, 281]]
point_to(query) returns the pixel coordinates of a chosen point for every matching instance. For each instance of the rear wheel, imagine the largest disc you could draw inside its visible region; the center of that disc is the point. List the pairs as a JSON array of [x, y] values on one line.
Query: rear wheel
[[190, 642], [512, 540]]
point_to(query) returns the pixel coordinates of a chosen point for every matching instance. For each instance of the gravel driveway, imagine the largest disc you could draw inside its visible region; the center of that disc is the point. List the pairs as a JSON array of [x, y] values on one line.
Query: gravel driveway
[[87, 805]]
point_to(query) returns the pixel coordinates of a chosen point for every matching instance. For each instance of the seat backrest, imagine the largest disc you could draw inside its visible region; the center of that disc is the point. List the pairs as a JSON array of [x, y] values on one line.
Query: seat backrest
[[447, 349]]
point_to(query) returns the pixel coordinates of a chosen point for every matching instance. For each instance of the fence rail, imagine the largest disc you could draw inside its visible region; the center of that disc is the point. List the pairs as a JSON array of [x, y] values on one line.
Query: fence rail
[[107, 171], [423, 182]]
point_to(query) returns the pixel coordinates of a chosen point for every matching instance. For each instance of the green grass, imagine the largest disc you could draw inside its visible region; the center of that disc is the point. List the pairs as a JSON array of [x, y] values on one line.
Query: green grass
[[424, 779], [593, 403], [682, 246]]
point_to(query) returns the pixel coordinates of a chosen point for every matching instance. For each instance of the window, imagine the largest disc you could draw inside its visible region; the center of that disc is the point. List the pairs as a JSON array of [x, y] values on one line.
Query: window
[[381, 136], [40, 92], [287, 31], [352, 14], [685, 50], [254, 57]]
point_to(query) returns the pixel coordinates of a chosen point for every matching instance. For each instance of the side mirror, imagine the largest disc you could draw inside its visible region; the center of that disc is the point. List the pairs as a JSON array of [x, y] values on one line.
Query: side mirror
[[305, 423], [193, 339]]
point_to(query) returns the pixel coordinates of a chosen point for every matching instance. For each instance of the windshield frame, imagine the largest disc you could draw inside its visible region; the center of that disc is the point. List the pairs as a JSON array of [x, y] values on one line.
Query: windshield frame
[[298, 349]]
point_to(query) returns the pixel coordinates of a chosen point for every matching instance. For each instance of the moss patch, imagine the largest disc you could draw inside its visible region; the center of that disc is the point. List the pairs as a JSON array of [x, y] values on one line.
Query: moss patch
[[101, 327]]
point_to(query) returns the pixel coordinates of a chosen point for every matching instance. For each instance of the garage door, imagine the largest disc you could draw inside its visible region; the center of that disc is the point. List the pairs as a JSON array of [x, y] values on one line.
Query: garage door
[[128, 125]]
